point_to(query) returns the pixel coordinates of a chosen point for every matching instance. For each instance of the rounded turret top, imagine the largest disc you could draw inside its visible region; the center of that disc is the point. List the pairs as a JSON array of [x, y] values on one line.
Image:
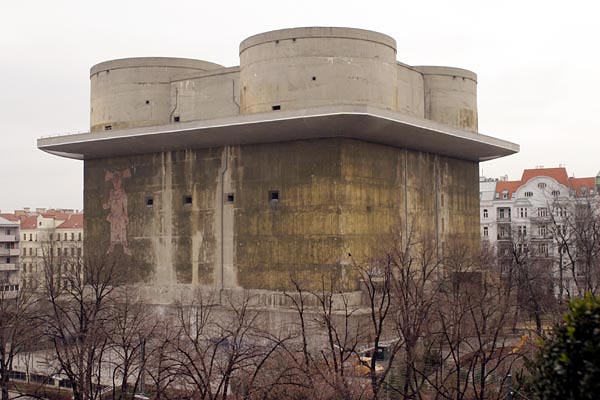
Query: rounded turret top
[[450, 96], [136, 92], [447, 71], [170, 62], [310, 67], [318, 32]]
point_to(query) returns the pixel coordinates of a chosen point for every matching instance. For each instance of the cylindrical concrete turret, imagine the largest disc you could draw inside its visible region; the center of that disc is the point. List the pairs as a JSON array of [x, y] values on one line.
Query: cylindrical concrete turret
[[135, 92], [450, 96], [309, 67]]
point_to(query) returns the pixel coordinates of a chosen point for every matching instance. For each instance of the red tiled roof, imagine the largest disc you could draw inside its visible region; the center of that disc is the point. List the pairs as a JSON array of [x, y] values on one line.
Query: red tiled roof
[[578, 183], [509, 186], [73, 221], [28, 221], [558, 174], [10, 217], [56, 215]]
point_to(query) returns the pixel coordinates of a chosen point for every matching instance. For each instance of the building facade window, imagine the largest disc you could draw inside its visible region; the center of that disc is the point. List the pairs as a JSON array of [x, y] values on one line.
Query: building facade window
[[556, 193], [543, 230], [485, 213], [542, 185], [504, 194], [502, 232], [528, 194], [523, 212], [542, 212], [543, 249], [485, 231], [522, 229]]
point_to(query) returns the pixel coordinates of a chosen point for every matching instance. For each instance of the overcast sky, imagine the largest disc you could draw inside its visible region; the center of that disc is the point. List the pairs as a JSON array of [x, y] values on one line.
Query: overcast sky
[[538, 66]]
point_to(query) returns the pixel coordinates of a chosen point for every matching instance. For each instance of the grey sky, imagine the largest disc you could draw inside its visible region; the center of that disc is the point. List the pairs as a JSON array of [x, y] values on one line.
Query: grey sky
[[537, 61]]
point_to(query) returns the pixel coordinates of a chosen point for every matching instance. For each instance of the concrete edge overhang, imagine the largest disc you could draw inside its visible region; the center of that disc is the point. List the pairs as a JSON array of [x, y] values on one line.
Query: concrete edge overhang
[[342, 121]]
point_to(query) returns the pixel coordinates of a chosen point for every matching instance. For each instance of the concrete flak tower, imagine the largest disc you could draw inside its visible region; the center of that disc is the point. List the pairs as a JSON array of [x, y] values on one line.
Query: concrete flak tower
[[319, 145]]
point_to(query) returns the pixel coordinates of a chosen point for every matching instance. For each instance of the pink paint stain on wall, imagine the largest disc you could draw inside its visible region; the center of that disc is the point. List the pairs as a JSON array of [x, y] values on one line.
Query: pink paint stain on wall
[[117, 204]]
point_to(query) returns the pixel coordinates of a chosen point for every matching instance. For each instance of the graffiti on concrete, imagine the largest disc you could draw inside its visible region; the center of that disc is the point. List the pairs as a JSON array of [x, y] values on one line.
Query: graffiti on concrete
[[117, 204]]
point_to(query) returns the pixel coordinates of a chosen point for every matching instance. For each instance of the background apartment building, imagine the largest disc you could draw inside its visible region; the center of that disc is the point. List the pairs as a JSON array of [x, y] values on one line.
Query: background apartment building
[[535, 216], [46, 236], [9, 258]]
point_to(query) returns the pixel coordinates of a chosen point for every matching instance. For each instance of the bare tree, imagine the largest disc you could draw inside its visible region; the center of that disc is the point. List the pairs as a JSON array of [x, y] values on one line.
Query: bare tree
[[19, 331], [77, 295], [160, 367], [575, 227], [216, 345], [472, 330], [130, 327]]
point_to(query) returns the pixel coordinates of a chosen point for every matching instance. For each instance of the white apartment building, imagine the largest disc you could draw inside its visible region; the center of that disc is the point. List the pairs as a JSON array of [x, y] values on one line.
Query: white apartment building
[[9, 258], [524, 215], [46, 236]]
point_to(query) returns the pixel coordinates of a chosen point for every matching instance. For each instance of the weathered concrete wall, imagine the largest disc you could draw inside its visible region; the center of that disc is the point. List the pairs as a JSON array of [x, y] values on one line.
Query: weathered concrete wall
[[213, 94], [170, 242], [335, 197], [450, 96], [410, 91]]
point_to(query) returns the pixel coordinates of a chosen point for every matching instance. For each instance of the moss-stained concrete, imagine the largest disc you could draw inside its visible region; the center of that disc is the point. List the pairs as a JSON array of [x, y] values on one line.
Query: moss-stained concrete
[[340, 201]]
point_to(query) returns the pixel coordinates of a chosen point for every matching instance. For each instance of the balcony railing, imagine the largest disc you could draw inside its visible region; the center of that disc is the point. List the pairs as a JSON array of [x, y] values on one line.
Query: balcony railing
[[546, 237], [8, 267], [9, 252], [8, 294], [503, 219], [8, 238], [538, 218]]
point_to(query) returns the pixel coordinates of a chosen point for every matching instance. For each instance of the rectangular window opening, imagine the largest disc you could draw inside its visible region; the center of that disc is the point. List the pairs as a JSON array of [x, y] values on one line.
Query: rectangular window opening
[[149, 202], [176, 118], [229, 197], [276, 107], [274, 195], [107, 127], [187, 200]]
